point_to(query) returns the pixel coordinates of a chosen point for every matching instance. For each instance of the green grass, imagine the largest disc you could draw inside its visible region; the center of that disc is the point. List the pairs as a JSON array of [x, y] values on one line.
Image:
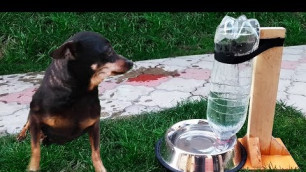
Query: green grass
[[127, 145], [26, 39]]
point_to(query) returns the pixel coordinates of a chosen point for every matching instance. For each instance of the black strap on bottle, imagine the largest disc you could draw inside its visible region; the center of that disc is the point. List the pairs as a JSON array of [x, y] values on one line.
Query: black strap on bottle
[[264, 44]]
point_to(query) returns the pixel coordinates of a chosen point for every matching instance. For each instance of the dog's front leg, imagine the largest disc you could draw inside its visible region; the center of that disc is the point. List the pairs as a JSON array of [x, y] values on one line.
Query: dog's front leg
[[35, 145], [94, 138]]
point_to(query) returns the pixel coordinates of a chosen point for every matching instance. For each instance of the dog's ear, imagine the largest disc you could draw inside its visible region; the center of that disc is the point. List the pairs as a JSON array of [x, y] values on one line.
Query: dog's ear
[[67, 50]]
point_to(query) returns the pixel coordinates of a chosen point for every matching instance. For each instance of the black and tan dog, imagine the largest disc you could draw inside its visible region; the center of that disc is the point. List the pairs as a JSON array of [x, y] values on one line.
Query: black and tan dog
[[66, 104]]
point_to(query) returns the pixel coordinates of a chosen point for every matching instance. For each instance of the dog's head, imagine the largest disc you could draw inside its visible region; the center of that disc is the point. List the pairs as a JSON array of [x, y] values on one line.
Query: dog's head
[[91, 56]]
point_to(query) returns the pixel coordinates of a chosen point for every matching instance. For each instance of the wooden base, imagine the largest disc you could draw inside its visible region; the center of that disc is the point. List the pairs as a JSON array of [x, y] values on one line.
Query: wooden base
[[280, 158]]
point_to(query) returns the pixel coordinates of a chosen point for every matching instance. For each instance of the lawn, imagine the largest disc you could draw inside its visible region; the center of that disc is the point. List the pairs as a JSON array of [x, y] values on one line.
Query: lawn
[[26, 39], [127, 145]]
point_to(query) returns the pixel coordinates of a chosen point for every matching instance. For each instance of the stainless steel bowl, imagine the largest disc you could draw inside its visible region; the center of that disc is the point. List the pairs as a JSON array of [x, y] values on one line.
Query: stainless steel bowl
[[191, 146]]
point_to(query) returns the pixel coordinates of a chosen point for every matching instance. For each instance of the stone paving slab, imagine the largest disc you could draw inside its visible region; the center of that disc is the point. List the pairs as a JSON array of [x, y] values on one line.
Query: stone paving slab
[[151, 85]]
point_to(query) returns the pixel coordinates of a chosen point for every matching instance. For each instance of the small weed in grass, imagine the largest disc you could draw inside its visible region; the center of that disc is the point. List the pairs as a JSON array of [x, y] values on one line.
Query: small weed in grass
[[127, 145]]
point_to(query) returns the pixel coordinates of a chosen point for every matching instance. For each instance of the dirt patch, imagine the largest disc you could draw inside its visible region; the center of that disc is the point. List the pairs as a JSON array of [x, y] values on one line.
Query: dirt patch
[[1, 84], [35, 73], [34, 81], [31, 78], [1, 95], [151, 73]]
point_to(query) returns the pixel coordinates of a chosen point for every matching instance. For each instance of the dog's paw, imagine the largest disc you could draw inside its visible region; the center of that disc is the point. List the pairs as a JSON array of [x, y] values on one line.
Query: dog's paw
[[33, 167], [99, 167], [33, 170], [21, 137], [101, 170]]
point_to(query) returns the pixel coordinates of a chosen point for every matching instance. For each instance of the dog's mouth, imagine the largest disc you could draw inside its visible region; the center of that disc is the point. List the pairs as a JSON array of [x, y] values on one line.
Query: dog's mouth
[[117, 73]]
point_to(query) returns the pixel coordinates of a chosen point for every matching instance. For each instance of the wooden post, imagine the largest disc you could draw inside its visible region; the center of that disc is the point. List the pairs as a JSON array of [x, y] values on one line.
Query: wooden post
[[264, 90], [261, 145]]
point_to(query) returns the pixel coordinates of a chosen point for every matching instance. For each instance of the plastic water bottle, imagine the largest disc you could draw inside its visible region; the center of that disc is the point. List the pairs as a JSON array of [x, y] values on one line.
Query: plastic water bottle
[[230, 84]]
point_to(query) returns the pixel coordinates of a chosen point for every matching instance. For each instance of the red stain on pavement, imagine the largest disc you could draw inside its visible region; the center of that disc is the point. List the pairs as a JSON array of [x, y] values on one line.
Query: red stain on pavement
[[148, 80], [145, 78]]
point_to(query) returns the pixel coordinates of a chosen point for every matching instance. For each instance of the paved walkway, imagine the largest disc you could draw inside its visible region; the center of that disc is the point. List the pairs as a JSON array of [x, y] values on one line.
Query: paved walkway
[[152, 85]]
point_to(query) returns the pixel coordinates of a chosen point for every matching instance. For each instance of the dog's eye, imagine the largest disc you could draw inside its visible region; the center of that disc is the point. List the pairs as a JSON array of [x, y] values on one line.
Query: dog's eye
[[109, 52]]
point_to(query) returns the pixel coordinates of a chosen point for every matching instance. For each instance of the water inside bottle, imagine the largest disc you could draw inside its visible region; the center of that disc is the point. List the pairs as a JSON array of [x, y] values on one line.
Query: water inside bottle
[[226, 115]]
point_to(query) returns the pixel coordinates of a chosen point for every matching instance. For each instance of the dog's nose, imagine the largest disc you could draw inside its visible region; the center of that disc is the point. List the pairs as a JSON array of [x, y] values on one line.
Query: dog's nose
[[129, 64]]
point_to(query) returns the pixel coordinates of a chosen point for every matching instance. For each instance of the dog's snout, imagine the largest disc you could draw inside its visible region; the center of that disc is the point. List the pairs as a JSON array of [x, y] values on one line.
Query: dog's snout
[[129, 64]]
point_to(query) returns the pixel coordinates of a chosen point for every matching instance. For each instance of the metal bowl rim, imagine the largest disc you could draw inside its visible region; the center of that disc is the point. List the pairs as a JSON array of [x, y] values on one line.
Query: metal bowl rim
[[168, 167]]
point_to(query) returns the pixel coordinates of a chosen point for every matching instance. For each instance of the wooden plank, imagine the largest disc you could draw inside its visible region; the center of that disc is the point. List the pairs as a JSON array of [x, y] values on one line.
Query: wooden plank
[[284, 150], [264, 90], [254, 154], [272, 32], [283, 162], [278, 148]]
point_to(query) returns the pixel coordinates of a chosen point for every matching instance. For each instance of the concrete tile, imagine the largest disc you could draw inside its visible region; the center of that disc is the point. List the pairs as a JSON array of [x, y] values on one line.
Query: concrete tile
[[283, 85], [282, 96], [8, 109], [199, 74], [138, 109], [163, 98], [156, 61], [300, 76], [14, 123], [22, 97], [292, 57], [204, 65], [202, 91], [298, 102], [12, 77], [172, 68], [289, 65], [14, 87], [208, 57], [180, 84], [193, 57], [111, 107], [303, 59], [146, 64], [181, 62], [293, 51], [296, 47], [286, 74], [298, 88], [126, 92], [107, 86], [301, 67]]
